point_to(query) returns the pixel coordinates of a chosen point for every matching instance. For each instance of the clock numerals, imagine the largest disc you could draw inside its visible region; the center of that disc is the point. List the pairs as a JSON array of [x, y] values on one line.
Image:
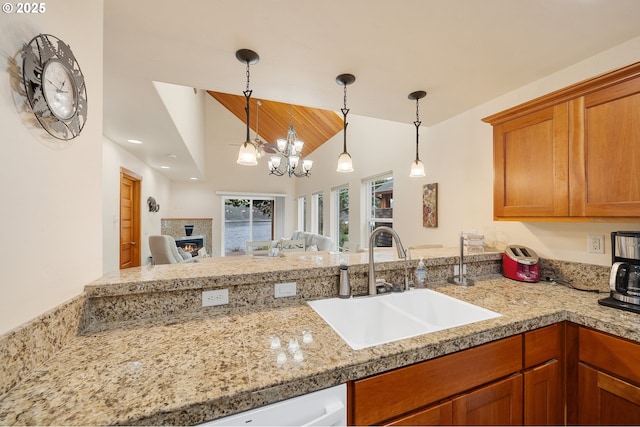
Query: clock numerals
[[55, 86]]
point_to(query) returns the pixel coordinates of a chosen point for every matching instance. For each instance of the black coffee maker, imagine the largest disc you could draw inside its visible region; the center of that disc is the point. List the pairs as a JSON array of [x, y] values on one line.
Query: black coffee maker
[[624, 280]]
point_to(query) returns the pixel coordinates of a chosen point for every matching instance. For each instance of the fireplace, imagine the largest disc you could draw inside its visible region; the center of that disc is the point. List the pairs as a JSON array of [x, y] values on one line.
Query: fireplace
[[191, 244]]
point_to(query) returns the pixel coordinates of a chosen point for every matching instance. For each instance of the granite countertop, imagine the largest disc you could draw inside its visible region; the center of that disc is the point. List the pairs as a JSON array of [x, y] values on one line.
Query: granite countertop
[[193, 368], [246, 269]]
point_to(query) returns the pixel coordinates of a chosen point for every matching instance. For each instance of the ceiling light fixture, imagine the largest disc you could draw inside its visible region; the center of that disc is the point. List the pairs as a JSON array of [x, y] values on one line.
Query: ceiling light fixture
[[417, 167], [289, 149], [344, 161], [134, 141], [248, 154]]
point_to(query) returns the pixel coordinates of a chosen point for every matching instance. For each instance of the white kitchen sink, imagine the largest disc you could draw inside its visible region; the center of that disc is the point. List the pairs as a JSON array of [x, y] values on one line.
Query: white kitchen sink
[[367, 321]]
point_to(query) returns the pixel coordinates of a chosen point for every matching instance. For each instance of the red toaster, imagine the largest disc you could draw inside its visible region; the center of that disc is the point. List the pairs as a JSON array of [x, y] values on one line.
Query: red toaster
[[520, 263]]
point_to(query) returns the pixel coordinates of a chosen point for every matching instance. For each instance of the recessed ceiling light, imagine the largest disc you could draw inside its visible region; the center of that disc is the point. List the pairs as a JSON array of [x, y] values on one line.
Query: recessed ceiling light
[[193, 178], [165, 167], [134, 141]]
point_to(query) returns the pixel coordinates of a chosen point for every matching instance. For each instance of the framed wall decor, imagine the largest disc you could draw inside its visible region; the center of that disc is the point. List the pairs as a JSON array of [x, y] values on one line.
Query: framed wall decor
[[430, 205]]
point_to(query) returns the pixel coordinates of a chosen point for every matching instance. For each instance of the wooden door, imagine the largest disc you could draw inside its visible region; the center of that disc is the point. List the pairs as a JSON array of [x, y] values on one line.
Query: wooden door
[[129, 219], [543, 403], [531, 165], [605, 152], [606, 400], [496, 404]]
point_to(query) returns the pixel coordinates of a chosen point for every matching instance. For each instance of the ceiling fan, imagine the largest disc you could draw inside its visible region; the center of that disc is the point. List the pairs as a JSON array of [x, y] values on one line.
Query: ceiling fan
[[262, 146]]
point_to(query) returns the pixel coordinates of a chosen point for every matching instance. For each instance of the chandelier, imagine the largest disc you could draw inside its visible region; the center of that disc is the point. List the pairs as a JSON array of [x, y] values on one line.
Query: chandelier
[[287, 158]]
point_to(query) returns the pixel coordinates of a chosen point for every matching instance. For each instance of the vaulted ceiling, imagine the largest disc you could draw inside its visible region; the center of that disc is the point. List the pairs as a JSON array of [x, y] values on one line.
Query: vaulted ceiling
[[462, 52], [314, 126]]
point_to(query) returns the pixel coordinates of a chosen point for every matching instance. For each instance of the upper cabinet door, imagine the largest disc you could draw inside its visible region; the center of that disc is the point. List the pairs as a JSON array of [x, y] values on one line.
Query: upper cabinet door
[[605, 152], [531, 165]]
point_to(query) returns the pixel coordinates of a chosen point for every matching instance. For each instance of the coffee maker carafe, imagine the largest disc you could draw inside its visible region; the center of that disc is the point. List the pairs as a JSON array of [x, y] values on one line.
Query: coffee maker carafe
[[624, 280]]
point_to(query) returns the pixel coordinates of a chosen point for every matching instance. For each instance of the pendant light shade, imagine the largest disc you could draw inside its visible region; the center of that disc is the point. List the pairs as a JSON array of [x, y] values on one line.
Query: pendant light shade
[[417, 167], [248, 153], [344, 161]]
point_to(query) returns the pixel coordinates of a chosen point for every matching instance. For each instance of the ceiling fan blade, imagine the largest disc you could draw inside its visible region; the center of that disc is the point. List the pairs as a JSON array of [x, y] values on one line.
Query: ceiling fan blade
[[270, 148]]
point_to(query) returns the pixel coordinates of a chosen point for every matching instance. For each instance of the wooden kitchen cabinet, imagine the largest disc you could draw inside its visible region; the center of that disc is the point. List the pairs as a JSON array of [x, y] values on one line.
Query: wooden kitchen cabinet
[[608, 383], [402, 393], [530, 158], [543, 386], [496, 404], [572, 155], [607, 400]]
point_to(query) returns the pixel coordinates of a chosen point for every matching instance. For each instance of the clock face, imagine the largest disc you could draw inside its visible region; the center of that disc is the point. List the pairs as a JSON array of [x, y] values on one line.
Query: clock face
[[59, 90], [54, 85]]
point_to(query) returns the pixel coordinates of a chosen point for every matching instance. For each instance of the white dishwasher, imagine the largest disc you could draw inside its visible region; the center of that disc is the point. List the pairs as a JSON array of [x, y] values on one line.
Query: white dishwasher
[[326, 407]]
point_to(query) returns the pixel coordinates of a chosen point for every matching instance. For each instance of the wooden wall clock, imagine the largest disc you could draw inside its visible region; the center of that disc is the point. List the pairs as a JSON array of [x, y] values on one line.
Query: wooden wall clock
[[55, 86]]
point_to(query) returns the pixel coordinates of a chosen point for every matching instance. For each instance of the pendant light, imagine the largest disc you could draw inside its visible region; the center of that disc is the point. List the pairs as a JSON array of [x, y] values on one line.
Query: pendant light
[[417, 167], [248, 154], [344, 161]]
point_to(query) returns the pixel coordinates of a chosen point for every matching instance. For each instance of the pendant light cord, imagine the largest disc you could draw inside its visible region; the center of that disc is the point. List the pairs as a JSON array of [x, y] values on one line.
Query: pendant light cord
[[247, 95], [417, 123], [345, 111]]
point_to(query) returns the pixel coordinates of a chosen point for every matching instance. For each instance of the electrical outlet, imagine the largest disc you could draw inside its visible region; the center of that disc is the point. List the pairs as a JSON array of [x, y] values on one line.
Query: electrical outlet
[[216, 297], [285, 290], [595, 243]]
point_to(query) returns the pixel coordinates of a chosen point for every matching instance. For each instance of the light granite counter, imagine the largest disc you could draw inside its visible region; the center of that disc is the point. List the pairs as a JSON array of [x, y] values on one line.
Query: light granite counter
[[191, 367]]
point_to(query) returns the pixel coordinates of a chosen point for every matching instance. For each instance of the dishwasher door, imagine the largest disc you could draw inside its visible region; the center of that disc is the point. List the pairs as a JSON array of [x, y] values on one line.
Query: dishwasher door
[[326, 407]]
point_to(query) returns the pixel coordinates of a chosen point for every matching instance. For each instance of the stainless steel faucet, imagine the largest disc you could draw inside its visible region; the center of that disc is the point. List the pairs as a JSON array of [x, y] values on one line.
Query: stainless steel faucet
[[461, 278], [401, 254]]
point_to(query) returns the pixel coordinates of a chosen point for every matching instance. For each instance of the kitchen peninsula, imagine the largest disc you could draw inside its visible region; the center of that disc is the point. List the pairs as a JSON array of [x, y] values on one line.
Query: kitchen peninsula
[[148, 353]]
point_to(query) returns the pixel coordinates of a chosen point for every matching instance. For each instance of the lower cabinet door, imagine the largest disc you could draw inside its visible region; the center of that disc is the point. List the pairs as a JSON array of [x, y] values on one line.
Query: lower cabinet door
[[543, 402], [606, 400], [496, 404], [439, 415]]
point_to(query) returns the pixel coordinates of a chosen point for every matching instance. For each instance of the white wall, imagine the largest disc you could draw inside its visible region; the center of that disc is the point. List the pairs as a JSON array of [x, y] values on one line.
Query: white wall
[[458, 155], [51, 202], [187, 111], [154, 184]]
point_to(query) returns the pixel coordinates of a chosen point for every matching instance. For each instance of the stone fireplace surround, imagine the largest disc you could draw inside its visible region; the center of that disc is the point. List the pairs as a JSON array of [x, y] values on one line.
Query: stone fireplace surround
[[174, 227]]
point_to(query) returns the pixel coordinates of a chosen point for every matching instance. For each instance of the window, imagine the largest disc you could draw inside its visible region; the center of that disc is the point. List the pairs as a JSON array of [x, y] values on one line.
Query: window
[[379, 207], [340, 216], [317, 220], [302, 213], [246, 220]]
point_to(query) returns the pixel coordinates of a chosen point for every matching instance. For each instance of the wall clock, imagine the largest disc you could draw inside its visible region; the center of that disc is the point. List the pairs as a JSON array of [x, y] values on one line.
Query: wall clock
[[55, 86]]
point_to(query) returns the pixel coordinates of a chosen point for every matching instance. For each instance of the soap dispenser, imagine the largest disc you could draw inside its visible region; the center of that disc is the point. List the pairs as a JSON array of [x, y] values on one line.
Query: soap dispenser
[[345, 285], [420, 274]]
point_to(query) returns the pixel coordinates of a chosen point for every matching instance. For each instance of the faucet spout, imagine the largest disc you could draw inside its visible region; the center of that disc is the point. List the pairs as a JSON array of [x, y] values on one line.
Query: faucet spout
[[401, 254]]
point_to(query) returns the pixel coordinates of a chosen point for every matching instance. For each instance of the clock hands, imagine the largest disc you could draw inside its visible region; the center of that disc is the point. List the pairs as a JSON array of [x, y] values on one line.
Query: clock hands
[[58, 89]]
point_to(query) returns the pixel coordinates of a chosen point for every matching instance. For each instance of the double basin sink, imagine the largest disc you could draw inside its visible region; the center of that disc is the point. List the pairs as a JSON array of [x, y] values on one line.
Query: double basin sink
[[373, 320]]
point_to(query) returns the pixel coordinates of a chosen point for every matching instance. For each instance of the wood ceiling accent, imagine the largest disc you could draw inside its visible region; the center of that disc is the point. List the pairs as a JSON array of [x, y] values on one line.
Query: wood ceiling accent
[[313, 125]]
